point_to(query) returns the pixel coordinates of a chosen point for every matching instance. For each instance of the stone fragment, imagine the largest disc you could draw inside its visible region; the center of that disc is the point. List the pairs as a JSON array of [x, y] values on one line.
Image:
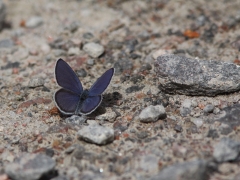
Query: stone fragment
[[181, 75], [35, 82], [96, 134], [226, 150], [152, 113], [75, 120], [197, 170], [34, 21], [93, 49], [30, 167]]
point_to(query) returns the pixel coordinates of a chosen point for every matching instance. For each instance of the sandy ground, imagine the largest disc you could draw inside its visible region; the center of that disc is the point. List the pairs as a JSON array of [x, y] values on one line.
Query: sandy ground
[[130, 32]]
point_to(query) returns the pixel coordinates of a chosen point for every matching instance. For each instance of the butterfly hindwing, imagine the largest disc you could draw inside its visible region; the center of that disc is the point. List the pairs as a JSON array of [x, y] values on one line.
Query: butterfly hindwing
[[66, 77], [101, 83], [66, 101], [90, 104]]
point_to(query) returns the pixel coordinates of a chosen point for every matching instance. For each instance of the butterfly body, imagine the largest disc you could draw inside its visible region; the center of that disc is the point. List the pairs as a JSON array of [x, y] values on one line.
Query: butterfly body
[[71, 98]]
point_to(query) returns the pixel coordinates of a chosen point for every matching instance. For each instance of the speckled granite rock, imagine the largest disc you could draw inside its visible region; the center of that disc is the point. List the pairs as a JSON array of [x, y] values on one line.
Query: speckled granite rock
[[181, 75]]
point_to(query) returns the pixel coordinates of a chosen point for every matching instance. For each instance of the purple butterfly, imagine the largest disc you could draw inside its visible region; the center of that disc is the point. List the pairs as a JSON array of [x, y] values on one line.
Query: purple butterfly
[[71, 98]]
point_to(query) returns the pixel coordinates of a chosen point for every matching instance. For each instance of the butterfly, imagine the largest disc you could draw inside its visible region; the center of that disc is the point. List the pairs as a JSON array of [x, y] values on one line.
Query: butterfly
[[71, 98]]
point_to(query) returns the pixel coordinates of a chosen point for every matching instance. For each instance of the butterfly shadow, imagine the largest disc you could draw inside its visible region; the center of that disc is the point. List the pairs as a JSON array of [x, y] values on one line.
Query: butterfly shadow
[[109, 101]]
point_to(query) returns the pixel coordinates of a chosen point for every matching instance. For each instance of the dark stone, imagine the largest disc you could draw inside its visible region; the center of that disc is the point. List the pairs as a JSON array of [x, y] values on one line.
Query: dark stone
[[181, 75], [212, 133], [115, 44], [142, 135], [136, 78], [49, 152], [231, 116], [146, 67], [134, 56], [134, 89], [130, 44], [209, 34], [11, 65], [88, 35], [81, 72], [178, 128]]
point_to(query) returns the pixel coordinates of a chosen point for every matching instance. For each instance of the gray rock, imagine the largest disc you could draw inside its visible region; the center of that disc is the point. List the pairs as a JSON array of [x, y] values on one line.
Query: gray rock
[[2, 14], [34, 21], [187, 103], [30, 167], [90, 62], [178, 74], [96, 134], [6, 43], [59, 52], [226, 150], [123, 64], [76, 120], [35, 82], [186, 107], [21, 53], [73, 51], [208, 108], [197, 170], [152, 113], [185, 111], [93, 49], [230, 116]]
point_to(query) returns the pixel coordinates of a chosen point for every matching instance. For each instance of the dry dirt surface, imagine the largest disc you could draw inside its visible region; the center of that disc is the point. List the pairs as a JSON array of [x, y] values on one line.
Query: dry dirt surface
[[150, 125]]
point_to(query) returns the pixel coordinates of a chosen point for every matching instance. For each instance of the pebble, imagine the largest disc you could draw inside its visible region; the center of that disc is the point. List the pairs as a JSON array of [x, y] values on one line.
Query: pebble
[[152, 114], [185, 108], [197, 170], [93, 49], [35, 82], [115, 44], [134, 88], [76, 120], [230, 116], [123, 64], [81, 72], [96, 134], [59, 52], [30, 167], [90, 62], [208, 108], [73, 51], [226, 150], [6, 43], [34, 21], [187, 103], [197, 121], [181, 75], [21, 53]]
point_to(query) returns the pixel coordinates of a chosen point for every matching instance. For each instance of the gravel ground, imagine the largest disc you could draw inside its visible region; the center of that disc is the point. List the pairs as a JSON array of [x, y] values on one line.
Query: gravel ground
[[156, 121]]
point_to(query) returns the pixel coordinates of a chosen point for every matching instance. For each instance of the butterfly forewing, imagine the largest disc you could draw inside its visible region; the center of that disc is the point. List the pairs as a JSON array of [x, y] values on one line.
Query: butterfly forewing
[[90, 104], [66, 77], [102, 83], [66, 101]]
